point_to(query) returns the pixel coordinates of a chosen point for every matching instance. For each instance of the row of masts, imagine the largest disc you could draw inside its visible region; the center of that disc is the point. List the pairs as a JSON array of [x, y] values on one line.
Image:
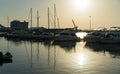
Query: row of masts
[[55, 18]]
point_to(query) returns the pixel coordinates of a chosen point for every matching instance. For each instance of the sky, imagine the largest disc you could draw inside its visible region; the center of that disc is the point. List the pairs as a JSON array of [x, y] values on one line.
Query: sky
[[104, 13]]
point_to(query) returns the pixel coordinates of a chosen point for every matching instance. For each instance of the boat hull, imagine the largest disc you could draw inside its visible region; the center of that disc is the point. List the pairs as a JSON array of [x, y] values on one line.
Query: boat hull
[[110, 40], [66, 38]]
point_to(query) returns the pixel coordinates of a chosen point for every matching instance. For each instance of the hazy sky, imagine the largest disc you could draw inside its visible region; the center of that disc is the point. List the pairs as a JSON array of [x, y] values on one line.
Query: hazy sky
[[104, 13]]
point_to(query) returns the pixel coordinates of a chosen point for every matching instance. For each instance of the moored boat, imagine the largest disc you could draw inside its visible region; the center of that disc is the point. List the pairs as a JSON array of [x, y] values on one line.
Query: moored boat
[[5, 57], [66, 35], [94, 37], [111, 37], [43, 36]]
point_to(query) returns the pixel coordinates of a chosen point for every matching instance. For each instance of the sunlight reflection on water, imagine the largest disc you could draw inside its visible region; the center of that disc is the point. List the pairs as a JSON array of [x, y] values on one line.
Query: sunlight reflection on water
[[81, 34], [81, 59], [61, 58]]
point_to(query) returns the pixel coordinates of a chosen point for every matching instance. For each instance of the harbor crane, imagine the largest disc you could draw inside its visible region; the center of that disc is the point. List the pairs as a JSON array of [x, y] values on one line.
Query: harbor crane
[[75, 27]]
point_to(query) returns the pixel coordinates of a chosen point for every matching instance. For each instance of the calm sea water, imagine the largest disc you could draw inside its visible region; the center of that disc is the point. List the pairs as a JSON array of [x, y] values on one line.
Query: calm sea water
[[60, 57]]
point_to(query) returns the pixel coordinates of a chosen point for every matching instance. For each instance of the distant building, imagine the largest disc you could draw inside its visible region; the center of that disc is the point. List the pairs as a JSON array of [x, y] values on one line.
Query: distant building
[[17, 25]]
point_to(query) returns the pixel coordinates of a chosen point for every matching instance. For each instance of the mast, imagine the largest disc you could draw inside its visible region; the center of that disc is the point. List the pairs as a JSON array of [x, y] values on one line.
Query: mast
[[31, 31], [37, 19], [58, 23], [31, 17], [90, 23], [54, 15], [48, 19]]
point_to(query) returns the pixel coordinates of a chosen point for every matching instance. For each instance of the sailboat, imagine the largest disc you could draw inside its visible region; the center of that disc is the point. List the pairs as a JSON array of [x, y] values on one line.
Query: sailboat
[[42, 35], [68, 34]]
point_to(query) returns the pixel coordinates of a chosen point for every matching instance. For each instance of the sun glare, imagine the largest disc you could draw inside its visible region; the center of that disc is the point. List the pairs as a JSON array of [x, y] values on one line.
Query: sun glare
[[81, 34], [81, 59], [81, 4]]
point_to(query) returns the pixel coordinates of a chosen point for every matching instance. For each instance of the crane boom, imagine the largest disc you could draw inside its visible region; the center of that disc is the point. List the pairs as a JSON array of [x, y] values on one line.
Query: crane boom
[[73, 23]]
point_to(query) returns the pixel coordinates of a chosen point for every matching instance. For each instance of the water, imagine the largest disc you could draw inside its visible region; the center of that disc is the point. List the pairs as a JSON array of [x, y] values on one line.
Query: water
[[60, 58]]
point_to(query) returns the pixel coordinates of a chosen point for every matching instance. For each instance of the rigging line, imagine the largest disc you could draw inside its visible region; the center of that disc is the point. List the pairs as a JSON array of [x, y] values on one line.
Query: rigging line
[[56, 15], [58, 23], [28, 18], [51, 19], [51, 23]]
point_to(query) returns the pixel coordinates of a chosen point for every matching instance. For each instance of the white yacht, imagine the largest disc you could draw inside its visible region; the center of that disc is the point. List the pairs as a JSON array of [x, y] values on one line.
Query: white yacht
[[94, 37], [67, 35], [111, 37]]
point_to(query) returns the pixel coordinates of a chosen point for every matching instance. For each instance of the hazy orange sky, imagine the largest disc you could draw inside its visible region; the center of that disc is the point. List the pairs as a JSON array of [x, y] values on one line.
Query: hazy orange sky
[[104, 13]]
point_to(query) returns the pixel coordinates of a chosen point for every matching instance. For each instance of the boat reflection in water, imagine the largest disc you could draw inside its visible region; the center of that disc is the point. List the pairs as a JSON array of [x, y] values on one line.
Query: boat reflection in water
[[67, 45], [112, 49], [47, 57], [5, 58], [5, 62], [70, 44]]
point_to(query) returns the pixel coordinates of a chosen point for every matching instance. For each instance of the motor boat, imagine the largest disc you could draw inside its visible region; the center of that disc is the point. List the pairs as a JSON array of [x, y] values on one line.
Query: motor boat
[[6, 56], [111, 37], [94, 37], [66, 35]]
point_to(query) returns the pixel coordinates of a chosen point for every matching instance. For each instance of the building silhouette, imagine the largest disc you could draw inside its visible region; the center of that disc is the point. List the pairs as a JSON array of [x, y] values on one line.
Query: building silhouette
[[17, 25]]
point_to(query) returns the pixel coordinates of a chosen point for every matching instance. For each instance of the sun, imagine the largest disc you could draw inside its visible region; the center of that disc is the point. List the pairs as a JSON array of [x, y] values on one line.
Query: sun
[[81, 4]]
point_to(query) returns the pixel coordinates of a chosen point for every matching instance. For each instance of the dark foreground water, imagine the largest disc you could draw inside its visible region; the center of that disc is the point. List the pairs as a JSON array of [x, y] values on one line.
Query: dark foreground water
[[60, 58]]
